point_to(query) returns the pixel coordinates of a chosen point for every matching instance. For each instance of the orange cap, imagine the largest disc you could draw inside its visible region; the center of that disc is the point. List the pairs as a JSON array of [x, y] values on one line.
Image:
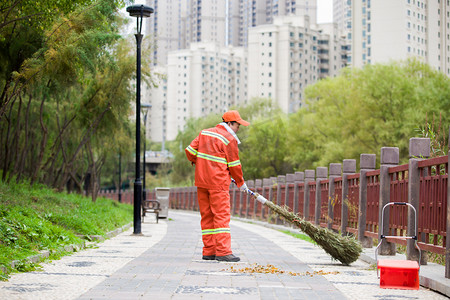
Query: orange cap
[[233, 115]]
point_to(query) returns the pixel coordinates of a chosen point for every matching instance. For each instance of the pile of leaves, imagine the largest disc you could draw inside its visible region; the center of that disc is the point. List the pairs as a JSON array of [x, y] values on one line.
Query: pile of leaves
[[271, 269]]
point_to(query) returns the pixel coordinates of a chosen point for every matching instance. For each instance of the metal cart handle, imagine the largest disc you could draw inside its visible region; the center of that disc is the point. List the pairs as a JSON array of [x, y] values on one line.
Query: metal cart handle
[[382, 236]]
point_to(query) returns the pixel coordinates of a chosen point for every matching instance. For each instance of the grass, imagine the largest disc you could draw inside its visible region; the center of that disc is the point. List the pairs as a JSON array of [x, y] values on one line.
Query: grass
[[33, 219], [300, 236]]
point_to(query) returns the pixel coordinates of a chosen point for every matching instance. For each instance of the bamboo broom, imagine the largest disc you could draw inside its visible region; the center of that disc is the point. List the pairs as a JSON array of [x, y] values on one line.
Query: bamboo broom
[[344, 249]]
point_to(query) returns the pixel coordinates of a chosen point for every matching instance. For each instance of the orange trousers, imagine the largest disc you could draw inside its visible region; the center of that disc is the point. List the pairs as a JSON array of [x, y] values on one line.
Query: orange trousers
[[215, 212]]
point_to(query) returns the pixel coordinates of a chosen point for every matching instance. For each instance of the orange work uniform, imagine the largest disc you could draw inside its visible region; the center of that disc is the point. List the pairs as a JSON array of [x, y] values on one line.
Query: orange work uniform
[[215, 154]]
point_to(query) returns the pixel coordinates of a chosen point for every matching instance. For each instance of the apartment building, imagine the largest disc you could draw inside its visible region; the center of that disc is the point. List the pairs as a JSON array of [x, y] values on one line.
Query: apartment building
[[175, 24], [383, 30], [165, 28], [286, 56], [206, 22], [253, 13], [160, 112]]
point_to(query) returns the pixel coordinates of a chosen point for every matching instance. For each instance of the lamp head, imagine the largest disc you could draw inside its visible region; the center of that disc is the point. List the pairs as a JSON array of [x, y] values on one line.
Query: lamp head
[[138, 10], [145, 106]]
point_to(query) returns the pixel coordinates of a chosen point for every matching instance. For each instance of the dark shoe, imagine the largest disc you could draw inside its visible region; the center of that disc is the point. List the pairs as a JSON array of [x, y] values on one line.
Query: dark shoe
[[229, 258], [209, 257]]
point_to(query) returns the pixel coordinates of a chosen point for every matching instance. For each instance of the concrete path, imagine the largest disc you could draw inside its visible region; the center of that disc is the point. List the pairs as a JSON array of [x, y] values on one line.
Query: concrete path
[[165, 263]]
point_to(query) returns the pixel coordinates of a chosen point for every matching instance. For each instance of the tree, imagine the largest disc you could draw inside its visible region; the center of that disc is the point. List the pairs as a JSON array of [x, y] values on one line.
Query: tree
[[22, 27], [365, 109], [68, 101], [264, 143]]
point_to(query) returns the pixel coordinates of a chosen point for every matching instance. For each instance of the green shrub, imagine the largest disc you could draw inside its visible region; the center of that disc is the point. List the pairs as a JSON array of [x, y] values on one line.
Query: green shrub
[[36, 218]]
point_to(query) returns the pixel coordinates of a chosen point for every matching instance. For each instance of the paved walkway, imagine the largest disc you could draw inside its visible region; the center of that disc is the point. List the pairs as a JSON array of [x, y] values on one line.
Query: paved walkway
[[165, 263]]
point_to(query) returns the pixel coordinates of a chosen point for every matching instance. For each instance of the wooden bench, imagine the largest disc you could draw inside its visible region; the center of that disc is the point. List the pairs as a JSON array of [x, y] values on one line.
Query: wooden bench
[[150, 206]]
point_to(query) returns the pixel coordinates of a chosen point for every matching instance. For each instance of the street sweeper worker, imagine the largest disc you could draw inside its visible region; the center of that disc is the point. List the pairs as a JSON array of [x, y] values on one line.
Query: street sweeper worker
[[215, 154]]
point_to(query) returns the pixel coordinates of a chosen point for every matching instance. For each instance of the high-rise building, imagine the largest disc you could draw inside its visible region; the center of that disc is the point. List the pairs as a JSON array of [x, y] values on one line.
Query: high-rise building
[[206, 22], [160, 112], [258, 12], [286, 56], [165, 28], [331, 49], [383, 30], [175, 24]]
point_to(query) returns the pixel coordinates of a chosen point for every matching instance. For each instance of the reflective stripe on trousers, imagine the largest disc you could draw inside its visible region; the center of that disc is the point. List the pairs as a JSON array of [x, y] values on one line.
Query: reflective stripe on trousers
[[215, 212]]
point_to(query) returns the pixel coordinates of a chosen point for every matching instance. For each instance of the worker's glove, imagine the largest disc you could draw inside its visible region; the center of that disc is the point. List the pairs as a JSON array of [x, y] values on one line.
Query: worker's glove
[[243, 188]]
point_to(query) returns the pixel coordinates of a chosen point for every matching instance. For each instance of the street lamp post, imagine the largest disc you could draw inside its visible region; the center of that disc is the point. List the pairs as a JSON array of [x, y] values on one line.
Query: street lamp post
[[140, 11], [145, 107], [120, 177]]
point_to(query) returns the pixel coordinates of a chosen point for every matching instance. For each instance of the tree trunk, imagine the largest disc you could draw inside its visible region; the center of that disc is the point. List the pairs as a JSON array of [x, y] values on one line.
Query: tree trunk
[[16, 141], [23, 151], [37, 167]]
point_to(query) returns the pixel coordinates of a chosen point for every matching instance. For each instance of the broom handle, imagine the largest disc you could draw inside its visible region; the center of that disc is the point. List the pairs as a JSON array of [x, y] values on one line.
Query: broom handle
[[255, 195]]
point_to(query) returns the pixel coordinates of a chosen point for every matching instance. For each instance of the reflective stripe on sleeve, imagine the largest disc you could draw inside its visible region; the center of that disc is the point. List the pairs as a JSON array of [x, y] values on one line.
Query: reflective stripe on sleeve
[[234, 163], [217, 136], [215, 231], [191, 150], [212, 158]]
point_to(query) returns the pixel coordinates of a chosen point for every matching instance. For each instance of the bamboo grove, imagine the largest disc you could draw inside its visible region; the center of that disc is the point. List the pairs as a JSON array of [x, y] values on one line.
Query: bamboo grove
[[66, 91]]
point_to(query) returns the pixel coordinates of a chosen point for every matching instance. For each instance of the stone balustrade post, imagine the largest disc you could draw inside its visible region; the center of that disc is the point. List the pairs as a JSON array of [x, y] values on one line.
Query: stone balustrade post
[[335, 172], [272, 195], [389, 158], [309, 176], [322, 174], [419, 148], [281, 179], [234, 197], [194, 197], [290, 180], [299, 177], [185, 197], [267, 185], [258, 184], [247, 198], [349, 167], [252, 203], [367, 162]]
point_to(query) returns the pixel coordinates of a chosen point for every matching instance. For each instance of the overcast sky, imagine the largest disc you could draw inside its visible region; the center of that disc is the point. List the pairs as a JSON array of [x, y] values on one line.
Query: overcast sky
[[324, 11]]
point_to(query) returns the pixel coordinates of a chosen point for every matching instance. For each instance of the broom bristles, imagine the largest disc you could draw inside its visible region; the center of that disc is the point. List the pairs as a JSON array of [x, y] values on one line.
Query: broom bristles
[[344, 249]]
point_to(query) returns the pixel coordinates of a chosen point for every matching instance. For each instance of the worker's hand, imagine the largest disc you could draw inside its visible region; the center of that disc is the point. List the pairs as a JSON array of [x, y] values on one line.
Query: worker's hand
[[243, 188]]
